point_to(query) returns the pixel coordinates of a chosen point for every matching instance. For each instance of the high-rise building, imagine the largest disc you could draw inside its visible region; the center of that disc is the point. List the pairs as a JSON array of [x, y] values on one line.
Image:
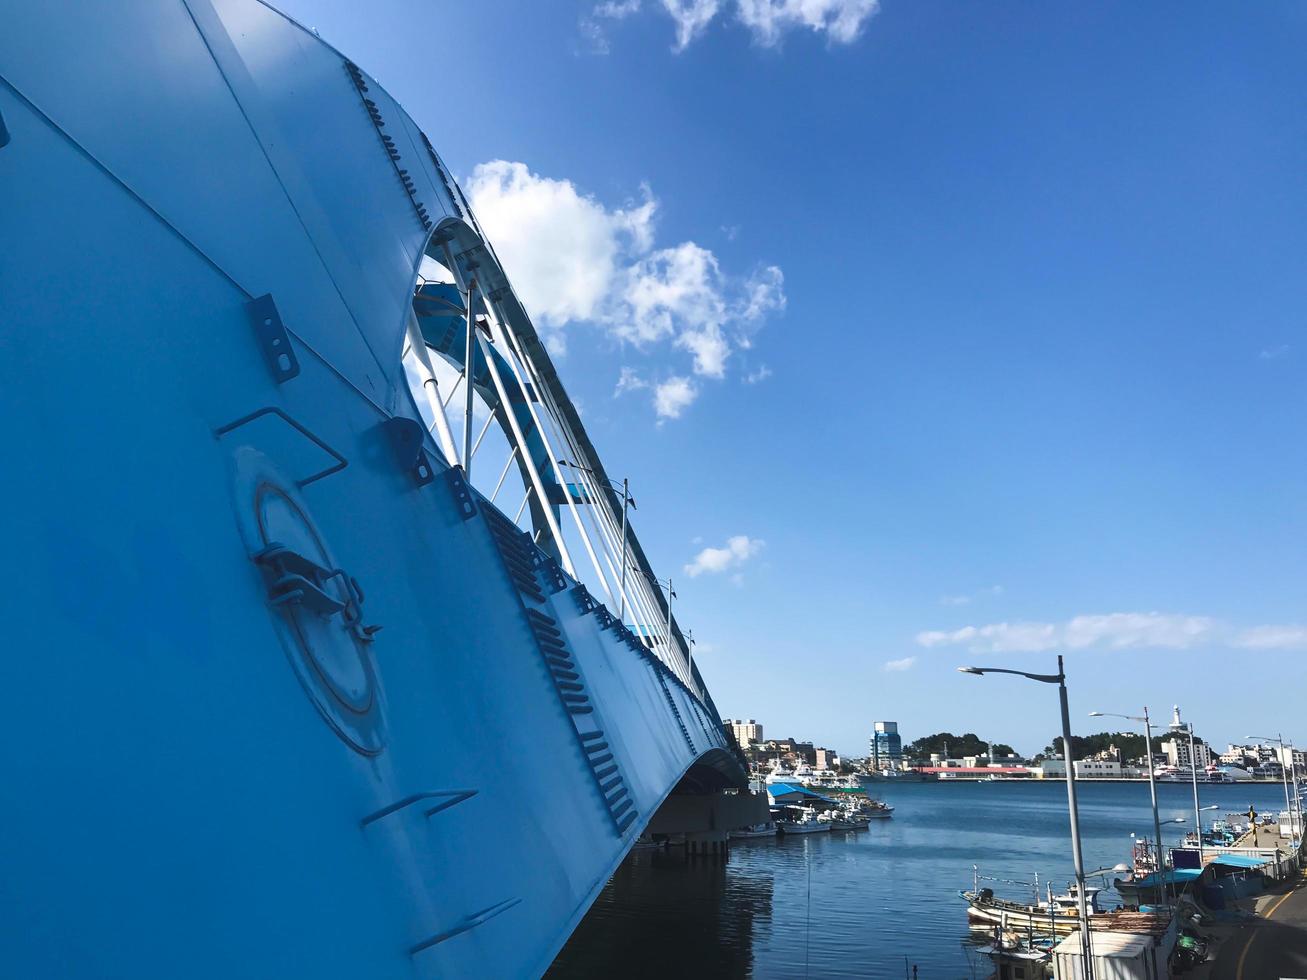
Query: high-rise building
[[746, 732], [1177, 749], [886, 746]]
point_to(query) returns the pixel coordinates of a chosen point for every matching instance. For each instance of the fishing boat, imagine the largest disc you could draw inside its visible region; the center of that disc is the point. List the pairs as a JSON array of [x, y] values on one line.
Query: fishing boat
[[1012, 956], [1059, 914], [752, 831], [804, 821], [849, 816]]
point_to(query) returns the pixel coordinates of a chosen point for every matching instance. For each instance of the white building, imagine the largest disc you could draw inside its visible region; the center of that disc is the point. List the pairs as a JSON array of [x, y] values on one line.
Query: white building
[[1097, 769], [746, 732], [1177, 752]]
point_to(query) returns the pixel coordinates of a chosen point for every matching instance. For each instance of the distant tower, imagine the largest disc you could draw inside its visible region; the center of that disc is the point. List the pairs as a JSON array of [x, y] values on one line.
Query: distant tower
[[1176, 724]]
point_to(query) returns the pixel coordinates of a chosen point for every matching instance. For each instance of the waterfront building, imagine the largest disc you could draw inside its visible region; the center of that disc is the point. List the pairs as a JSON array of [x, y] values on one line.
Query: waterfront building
[[1050, 769], [826, 759], [886, 745], [1177, 753], [1096, 769], [746, 732]]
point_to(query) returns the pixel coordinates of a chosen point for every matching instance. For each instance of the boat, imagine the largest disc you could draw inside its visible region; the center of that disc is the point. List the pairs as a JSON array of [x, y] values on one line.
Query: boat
[[779, 774], [1013, 956], [1060, 914], [849, 816], [805, 821], [752, 831], [875, 809]]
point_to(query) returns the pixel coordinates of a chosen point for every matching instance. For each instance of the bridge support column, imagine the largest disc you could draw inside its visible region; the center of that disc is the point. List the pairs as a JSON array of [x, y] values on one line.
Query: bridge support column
[[712, 843]]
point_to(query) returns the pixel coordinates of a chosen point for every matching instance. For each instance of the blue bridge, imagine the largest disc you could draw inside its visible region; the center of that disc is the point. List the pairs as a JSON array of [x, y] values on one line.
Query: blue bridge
[[330, 645]]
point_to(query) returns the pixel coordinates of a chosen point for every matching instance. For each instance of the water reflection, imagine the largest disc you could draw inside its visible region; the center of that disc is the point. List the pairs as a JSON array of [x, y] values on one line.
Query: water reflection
[[664, 913], [869, 903]]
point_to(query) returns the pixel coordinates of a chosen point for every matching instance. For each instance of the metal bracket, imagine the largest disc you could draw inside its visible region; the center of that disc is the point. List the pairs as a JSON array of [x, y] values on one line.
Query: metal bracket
[[469, 922], [273, 339], [585, 602], [295, 578], [467, 508], [555, 577], [447, 797], [406, 438], [341, 461]]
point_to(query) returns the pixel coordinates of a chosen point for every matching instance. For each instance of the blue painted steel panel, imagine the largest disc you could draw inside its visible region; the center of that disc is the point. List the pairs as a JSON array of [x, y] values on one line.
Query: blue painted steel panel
[[202, 783]]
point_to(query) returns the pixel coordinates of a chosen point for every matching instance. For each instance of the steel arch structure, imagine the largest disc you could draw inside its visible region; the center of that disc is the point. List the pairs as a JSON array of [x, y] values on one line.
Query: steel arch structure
[[290, 696]]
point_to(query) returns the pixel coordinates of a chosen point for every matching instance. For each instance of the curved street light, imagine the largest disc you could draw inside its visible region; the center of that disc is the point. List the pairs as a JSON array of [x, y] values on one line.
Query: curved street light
[[1152, 787], [1083, 906], [1178, 726]]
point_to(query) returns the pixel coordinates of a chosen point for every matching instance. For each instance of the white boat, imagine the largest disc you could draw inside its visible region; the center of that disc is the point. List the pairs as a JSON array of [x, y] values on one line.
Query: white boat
[[779, 774], [804, 822], [875, 809], [767, 829]]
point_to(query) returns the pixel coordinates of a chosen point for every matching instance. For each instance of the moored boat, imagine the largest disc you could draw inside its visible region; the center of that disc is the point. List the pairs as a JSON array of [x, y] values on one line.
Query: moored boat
[[767, 829], [805, 821]]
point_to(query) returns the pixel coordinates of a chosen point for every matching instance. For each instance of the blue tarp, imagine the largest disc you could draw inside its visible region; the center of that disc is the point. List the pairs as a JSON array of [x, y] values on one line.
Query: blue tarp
[[777, 790], [1180, 876], [1241, 860]]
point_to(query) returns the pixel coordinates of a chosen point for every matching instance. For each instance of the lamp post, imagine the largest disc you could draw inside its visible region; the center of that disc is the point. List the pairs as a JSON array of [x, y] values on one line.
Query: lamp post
[[1060, 680], [1284, 777], [627, 501], [671, 594], [1152, 782], [1182, 726]]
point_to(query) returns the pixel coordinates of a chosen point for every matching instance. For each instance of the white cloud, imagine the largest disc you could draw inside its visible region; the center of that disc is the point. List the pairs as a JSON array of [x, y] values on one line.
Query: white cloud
[[674, 396], [573, 260], [840, 20], [592, 26], [758, 376], [903, 664], [967, 599], [691, 17], [1115, 631], [617, 9], [629, 380], [737, 551], [1272, 638], [1272, 353], [767, 21], [561, 247]]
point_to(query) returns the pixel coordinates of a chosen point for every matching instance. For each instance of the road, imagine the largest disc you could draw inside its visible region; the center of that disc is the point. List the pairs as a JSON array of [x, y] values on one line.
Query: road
[[1274, 946]]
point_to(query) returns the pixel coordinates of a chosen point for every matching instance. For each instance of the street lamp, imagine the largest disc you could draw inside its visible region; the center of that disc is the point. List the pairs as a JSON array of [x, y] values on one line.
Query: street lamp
[[671, 594], [1060, 680], [1152, 782], [1183, 726], [1284, 776], [627, 501]]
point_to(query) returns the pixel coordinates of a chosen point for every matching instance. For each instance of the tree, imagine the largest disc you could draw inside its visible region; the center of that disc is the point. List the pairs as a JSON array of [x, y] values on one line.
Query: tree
[[1131, 744], [952, 746]]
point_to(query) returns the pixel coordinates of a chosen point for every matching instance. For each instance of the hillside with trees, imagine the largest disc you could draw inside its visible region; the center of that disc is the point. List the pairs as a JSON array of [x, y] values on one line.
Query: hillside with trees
[[951, 746], [1130, 744]]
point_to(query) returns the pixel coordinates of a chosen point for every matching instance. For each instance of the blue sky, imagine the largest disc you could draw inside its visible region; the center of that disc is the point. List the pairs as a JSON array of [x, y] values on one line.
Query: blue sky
[[961, 332]]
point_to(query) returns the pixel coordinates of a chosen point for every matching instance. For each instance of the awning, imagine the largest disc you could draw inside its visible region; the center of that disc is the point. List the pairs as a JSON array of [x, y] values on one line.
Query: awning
[[1241, 860]]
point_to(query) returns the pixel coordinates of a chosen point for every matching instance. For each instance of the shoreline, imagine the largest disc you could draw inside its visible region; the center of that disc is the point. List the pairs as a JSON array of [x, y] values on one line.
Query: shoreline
[[1080, 780]]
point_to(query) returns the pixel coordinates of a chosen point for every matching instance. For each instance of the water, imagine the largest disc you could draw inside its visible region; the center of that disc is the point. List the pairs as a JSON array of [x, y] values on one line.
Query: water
[[855, 904]]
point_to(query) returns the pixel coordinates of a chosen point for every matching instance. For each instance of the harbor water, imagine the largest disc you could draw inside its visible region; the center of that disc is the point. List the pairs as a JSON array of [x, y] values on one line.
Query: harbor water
[[862, 903]]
